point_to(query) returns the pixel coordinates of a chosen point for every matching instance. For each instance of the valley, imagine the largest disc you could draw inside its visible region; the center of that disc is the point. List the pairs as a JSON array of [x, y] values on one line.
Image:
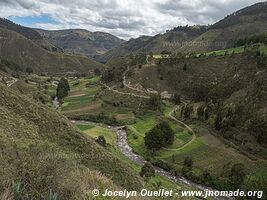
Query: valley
[[85, 111]]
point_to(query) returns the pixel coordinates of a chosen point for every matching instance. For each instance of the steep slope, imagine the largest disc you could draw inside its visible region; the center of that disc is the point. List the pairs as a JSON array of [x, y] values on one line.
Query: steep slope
[[236, 82], [29, 33], [81, 41], [18, 49], [43, 151], [224, 34], [170, 41]]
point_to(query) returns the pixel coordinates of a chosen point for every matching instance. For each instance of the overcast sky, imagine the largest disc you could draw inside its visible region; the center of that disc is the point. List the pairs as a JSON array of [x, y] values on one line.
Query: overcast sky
[[123, 18]]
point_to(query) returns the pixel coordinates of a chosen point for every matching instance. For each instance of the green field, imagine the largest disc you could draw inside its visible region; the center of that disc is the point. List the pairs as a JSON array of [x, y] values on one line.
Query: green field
[[82, 96], [207, 151], [109, 134]]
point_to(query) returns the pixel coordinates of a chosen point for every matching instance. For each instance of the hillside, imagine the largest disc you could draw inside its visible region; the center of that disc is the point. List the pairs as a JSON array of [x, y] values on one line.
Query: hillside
[[81, 41], [237, 80], [29, 33], [40, 148], [224, 34], [169, 41], [18, 49]]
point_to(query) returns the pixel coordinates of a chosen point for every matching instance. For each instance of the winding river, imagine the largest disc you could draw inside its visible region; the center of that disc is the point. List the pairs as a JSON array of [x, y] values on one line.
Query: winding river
[[125, 148]]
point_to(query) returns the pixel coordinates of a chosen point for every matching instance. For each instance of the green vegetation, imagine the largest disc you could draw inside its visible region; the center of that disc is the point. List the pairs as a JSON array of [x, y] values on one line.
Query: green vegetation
[[49, 148], [147, 170], [160, 136], [63, 88], [101, 140], [26, 53]]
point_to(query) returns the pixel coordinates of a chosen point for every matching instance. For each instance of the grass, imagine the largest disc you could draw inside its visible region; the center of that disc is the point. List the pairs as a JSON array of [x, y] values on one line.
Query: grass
[[236, 50], [207, 151], [82, 94], [152, 183], [47, 143], [109, 134]]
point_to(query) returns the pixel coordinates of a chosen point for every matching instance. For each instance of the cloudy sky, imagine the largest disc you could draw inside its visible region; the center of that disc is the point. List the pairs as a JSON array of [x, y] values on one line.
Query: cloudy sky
[[123, 18]]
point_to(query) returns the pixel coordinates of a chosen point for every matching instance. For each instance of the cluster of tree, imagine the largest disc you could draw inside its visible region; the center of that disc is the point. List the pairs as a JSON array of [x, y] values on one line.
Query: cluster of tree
[[99, 118], [63, 88], [176, 98], [113, 74], [257, 126], [5, 64], [160, 136], [187, 111], [155, 103], [231, 178], [226, 117], [252, 39], [138, 59], [192, 30]]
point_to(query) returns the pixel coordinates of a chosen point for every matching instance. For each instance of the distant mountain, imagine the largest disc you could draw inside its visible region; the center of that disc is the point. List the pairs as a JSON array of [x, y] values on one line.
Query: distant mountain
[[221, 35], [24, 52], [131, 46], [224, 34], [29, 33], [81, 41], [170, 41]]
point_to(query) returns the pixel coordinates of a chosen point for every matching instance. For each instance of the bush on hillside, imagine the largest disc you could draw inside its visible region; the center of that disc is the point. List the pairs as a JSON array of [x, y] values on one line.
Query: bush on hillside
[[160, 136], [147, 170]]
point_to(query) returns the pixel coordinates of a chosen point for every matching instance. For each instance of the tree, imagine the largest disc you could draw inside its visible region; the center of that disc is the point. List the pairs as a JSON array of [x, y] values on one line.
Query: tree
[[97, 71], [188, 110], [168, 132], [165, 52], [237, 175], [159, 136], [176, 98], [63, 88], [147, 170], [154, 139], [101, 140], [29, 70], [155, 102], [188, 164], [185, 67], [200, 111]]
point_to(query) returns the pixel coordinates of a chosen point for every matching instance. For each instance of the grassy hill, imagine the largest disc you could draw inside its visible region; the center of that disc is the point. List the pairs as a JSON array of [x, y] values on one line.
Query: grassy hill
[[236, 79], [29, 33], [40, 148], [169, 41], [18, 49], [224, 34], [81, 41], [199, 39]]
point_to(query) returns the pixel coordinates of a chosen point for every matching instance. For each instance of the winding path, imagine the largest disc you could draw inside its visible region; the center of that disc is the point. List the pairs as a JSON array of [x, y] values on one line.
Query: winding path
[[170, 115], [13, 81]]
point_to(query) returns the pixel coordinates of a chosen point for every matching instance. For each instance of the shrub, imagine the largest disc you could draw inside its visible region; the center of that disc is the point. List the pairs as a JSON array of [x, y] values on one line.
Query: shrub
[[147, 170], [101, 140]]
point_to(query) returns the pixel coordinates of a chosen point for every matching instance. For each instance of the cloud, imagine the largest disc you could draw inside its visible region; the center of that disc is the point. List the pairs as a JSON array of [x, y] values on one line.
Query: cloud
[[122, 18]]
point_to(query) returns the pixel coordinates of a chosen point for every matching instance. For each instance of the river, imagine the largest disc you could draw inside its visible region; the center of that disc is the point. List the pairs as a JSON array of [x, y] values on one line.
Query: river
[[125, 148]]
